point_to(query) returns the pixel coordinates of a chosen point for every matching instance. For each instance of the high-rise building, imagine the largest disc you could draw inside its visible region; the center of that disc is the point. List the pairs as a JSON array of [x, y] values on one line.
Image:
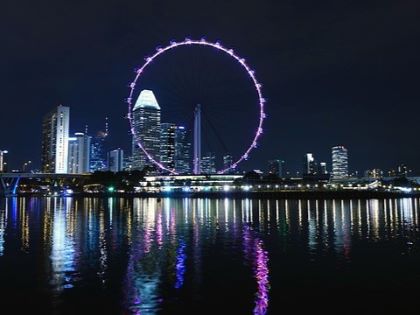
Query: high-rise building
[[146, 127], [197, 140], [227, 161], [276, 167], [208, 164], [339, 162], [167, 145], [55, 135], [309, 165], [3, 163], [79, 153], [116, 160], [323, 168], [97, 152], [182, 151]]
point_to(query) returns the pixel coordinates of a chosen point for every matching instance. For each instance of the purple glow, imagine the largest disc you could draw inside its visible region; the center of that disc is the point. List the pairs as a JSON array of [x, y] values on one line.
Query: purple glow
[[159, 232], [254, 251], [229, 52], [261, 274]]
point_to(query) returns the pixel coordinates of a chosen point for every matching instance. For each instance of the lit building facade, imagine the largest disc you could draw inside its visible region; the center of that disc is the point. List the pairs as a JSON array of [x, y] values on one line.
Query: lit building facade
[[79, 154], [276, 167], [340, 169], [182, 151], [116, 160], [309, 165], [146, 127], [323, 168], [227, 161], [167, 145], [3, 163], [208, 164], [55, 136], [374, 173], [97, 152]]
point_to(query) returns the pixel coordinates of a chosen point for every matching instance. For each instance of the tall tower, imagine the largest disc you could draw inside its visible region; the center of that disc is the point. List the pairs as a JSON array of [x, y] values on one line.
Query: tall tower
[[182, 151], [55, 136], [309, 165], [116, 160], [146, 124], [197, 139], [2, 160], [167, 145], [79, 154], [340, 168], [97, 149]]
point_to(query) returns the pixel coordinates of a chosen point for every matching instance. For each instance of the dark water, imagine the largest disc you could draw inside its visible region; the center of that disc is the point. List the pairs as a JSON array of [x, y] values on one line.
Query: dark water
[[202, 256]]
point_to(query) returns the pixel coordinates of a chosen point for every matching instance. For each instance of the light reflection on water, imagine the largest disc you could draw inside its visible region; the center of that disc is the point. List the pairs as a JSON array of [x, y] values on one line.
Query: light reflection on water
[[152, 256]]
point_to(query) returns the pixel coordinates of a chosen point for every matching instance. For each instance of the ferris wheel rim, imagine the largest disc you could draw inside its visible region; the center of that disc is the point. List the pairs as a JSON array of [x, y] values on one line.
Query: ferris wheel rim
[[228, 51]]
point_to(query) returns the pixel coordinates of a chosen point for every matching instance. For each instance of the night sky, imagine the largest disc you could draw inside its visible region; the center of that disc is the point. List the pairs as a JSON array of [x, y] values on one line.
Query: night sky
[[333, 72]]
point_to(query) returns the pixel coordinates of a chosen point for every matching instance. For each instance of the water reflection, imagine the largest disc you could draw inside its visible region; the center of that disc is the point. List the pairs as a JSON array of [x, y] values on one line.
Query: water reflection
[[62, 245], [254, 250], [152, 256]]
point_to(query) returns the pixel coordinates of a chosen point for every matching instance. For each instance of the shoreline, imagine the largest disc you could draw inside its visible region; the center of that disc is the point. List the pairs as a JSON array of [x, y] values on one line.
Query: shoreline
[[241, 195]]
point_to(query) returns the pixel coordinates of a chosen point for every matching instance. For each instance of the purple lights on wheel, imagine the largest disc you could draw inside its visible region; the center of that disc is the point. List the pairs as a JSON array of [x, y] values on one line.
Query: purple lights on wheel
[[218, 46]]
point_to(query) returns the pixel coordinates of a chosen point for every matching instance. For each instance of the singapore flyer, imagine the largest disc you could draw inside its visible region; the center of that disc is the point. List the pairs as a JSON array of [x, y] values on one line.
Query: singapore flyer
[[144, 102]]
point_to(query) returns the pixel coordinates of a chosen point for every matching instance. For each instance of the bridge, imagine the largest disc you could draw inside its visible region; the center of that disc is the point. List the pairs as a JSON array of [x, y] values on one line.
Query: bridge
[[10, 181]]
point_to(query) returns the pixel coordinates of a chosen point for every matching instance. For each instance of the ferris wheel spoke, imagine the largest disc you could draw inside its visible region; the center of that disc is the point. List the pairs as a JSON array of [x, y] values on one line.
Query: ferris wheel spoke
[[201, 87]]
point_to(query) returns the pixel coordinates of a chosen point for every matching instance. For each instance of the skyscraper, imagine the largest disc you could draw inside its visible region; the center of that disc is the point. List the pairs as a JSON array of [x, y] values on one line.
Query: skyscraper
[[116, 160], [167, 145], [309, 165], [197, 140], [323, 168], [182, 151], [55, 134], [97, 150], [3, 161], [79, 154], [276, 167], [208, 164], [339, 162], [146, 125]]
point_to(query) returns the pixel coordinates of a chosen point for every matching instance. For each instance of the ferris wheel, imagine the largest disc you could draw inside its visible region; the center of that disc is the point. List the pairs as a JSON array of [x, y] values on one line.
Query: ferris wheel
[[259, 101]]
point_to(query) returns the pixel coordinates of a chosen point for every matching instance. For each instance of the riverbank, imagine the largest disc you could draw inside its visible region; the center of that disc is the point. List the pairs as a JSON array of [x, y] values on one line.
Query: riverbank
[[327, 194]]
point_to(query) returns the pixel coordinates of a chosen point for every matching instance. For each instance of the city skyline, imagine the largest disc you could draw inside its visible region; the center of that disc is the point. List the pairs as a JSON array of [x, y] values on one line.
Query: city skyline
[[369, 82], [86, 153]]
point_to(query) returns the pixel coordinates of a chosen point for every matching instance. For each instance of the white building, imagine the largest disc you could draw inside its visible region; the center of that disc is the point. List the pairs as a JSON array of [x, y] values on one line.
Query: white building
[[340, 168], [79, 154], [55, 136], [146, 124], [116, 160], [2, 160]]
